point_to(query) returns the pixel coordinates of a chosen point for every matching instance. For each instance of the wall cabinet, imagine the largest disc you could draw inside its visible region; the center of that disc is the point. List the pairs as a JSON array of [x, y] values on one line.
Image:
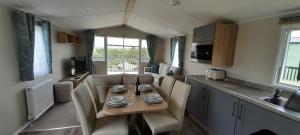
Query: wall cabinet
[[67, 38], [197, 101], [224, 114]]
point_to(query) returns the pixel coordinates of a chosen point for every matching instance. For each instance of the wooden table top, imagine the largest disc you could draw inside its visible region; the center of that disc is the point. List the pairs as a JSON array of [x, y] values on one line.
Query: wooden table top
[[138, 105]]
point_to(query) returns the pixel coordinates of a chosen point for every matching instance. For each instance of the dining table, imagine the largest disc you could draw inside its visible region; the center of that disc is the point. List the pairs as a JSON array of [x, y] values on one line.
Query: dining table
[[136, 103]]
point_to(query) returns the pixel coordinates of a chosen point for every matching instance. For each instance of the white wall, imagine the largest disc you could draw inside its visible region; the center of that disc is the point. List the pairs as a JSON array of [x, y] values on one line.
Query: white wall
[[255, 55], [13, 113]]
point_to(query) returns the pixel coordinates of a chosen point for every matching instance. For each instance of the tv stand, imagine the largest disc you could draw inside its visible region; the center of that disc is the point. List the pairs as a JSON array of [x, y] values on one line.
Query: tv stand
[[77, 78]]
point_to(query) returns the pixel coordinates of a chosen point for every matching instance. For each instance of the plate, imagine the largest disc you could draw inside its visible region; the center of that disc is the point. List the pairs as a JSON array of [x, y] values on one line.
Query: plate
[[117, 99], [118, 88], [116, 105], [153, 96]]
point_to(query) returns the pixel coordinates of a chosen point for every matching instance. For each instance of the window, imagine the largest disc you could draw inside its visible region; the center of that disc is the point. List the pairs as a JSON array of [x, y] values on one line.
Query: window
[[99, 49], [144, 51], [175, 61], [40, 64], [289, 58]]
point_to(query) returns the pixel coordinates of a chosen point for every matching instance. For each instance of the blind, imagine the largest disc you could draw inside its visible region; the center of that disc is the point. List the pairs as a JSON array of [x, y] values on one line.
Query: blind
[[289, 20]]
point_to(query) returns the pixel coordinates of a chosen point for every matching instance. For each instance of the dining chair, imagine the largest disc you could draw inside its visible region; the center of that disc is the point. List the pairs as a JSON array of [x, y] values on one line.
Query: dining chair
[[172, 118], [166, 87], [88, 82], [92, 125]]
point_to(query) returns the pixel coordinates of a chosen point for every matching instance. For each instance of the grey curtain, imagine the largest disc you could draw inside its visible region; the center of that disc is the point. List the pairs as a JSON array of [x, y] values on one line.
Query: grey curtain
[[90, 48], [46, 28], [24, 24], [181, 47], [151, 44], [173, 41]]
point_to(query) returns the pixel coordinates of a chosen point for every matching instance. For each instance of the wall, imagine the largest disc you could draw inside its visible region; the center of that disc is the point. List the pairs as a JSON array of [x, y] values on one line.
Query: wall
[[255, 55], [123, 31], [13, 113]]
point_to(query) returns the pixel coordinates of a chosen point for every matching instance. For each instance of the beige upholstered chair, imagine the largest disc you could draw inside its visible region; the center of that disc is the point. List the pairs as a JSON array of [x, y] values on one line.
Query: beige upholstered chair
[[90, 124], [166, 87], [88, 82], [171, 119]]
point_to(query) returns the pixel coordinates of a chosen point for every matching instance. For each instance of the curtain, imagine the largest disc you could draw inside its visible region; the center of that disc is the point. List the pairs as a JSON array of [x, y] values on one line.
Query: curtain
[[173, 41], [24, 24], [151, 45], [90, 48], [46, 31], [181, 47]]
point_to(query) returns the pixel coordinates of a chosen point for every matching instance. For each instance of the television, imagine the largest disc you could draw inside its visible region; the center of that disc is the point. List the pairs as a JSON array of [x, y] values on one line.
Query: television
[[79, 63]]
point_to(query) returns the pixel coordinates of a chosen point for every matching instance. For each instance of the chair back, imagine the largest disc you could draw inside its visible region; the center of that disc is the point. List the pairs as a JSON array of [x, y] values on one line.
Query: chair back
[[93, 92], [166, 87], [178, 100], [85, 108]]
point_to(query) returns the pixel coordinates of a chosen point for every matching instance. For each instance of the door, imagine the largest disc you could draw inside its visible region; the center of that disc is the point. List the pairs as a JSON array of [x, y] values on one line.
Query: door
[[252, 118], [222, 112], [197, 102]]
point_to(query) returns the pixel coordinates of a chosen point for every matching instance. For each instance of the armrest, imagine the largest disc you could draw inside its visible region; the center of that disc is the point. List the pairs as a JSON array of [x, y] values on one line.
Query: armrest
[[147, 69]]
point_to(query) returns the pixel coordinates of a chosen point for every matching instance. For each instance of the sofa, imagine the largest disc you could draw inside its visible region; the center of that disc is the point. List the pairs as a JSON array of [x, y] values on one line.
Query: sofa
[[164, 70], [104, 82]]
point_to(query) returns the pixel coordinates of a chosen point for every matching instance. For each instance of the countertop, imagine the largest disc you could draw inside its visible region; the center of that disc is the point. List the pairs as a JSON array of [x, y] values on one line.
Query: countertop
[[249, 94]]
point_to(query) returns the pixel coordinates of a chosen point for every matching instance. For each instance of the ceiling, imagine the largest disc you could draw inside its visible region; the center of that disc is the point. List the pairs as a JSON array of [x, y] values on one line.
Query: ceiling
[[153, 16]]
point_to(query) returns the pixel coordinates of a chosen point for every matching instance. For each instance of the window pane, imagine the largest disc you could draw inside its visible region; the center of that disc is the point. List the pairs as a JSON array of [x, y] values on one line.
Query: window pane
[[289, 69], [175, 61], [144, 51], [40, 66], [114, 41], [99, 50], [131, 58], [114, 58], [131, 41]]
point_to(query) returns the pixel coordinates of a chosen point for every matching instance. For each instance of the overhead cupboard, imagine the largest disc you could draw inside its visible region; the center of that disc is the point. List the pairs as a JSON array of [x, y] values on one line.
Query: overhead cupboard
[[214, 44], [67, 38], [224, 114]]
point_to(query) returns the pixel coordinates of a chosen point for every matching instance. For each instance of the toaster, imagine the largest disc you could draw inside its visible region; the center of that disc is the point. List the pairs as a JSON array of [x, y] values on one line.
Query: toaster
[[215, 74]]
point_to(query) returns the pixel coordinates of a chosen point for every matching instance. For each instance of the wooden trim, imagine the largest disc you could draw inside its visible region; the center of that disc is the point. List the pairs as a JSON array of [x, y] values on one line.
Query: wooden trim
[[129, 9], [289, 20]]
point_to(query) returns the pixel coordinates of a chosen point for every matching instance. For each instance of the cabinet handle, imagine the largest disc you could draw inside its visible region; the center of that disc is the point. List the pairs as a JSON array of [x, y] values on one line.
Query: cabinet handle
[[233, 109], [240, 112], [203, 92]]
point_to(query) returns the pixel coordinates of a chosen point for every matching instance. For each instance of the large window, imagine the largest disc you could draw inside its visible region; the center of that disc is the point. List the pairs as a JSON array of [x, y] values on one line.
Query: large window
[[122, 54], [175, 61], [40, 64], [289, 58]]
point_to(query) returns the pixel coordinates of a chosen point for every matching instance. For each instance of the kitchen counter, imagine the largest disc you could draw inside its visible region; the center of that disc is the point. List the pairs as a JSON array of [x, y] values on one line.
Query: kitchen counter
[[249, 94]]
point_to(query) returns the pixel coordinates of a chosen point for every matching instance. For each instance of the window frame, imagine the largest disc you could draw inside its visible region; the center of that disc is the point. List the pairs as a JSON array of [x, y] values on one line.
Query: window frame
[[281, 56], [106, 45]]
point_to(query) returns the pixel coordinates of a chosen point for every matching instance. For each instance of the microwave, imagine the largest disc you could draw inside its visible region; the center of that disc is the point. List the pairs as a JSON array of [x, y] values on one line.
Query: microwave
[[201, 53]]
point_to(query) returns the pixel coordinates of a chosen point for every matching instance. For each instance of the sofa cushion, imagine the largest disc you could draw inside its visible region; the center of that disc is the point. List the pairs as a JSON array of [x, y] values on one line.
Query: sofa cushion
[[146, 79], [165, 69], [161, 65], [175, 70], [154, 68], [129, 78], [115, 79]]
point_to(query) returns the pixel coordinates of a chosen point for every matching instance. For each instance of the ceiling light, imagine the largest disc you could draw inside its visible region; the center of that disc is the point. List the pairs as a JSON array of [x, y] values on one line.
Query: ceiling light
[[175, 2]]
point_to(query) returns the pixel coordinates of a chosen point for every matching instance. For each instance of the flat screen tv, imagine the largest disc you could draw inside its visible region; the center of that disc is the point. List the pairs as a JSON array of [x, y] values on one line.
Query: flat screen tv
[[79, 63]]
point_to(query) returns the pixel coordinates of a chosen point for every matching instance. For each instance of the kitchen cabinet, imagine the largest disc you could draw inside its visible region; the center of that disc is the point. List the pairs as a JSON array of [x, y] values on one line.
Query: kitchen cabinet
[[197, 101], [222, 112], [252, 118]]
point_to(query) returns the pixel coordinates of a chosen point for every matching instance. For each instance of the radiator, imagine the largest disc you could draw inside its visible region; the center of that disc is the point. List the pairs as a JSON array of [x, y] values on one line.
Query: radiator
[[39, 98]]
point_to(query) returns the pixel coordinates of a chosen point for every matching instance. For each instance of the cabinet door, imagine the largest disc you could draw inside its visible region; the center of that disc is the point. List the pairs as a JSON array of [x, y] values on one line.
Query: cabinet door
[[222, 111], [196, 101], [252, 118]]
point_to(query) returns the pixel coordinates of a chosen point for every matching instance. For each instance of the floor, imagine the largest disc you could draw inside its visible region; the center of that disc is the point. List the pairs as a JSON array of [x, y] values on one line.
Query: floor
[[61, 120]]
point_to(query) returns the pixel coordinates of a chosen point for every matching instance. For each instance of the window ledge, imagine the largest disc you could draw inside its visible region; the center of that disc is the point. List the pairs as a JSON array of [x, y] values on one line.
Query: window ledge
[[286, 87]]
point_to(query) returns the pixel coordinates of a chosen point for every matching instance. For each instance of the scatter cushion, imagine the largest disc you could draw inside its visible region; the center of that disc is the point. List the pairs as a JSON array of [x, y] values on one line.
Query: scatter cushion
[[165, 69], [161, 65], [154, 68], [174, 70]]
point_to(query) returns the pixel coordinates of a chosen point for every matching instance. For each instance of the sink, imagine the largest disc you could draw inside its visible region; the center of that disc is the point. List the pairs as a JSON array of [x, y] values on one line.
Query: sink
[[279, 101]]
